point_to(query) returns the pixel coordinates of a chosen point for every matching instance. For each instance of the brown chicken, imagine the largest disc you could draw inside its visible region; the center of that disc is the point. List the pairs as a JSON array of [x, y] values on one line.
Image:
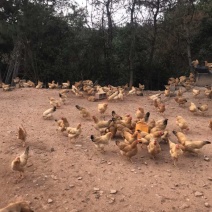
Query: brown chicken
[[20, 206], [181, 122], [20, 162], [22, 134], [62, 124], [129, 138], [74, 132], [175, 151], [128, 150], [101, 141], [161, 108], [48, 113], [63, 98], [102, 108], [210, 124], [154, 148], [84, 112]]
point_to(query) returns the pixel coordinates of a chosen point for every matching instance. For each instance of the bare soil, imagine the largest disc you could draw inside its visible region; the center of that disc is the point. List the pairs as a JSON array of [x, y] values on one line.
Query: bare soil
[[74, 176]]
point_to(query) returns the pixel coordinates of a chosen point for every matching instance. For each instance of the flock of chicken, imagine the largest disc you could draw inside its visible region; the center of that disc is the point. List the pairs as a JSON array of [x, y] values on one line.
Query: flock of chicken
[[119, 126]]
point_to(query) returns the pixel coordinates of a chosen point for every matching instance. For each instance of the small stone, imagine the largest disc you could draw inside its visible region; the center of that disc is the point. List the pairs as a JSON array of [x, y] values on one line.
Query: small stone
[[79, 178], [198, 194], [78, 145], [184, 206], [96, 189], [109, 163], [50, 200], [145, 163], [113, 191], [52, 149], [206, 158], [207, 204], [210, 178], [71, 186], [132, 170]]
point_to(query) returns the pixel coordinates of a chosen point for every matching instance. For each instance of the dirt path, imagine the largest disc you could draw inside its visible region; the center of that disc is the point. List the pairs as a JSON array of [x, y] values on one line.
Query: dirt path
[[74, 176]]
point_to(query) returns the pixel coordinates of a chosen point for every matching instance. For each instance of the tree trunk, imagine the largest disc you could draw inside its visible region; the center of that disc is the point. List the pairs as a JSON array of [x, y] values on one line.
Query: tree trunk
[[189, 49]]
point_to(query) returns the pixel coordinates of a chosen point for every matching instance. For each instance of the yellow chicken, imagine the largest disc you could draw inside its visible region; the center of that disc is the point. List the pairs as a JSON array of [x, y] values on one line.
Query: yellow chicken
[[195, 92], [203, 108], [74, 132], [66, 84], [39, 85], [83, 112], [20, 162], [180, 100], [20, 206], [54, 102], [175, 151], [154, 148], [193, 108], [181, 122], [139, 114], [62, 124], [101, 141], [102, 108], [22, 134], [180, 136], [48, 113]]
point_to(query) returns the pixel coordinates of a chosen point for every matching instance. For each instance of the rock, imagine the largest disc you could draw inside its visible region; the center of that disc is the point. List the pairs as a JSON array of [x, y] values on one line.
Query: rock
[[207, 204], [71, 186], [50, 200], [132, 170], [184, 206], [210, 178], [109, 163], [52, 149], [206, 158], [198, 194], [113, 191], [79, 178], [96, 189]]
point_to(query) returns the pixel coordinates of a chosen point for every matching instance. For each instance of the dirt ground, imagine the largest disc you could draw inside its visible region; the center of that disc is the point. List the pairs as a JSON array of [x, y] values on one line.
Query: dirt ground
[[63, 175]]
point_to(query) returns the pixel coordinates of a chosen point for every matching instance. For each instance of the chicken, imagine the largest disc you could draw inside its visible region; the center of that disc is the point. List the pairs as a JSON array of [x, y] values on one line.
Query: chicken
[[115, 115], [160, 125], [139, 114], [175, 151], [6, 87], [181, 122], [154, 148], [112, 128], [126, 121], [22, 134], [161, 108], [129, 138], [113, 95], [128, 150], [20, 206], [62, 124], [83, 112], [74, 132], [151, 124], [54, 102], [102, 108], [155, 96], [101, 141], [180, 100], [210, 124], [193, 108], [203, 108], [48, 113], [52, 85], [180, 92], [167, 92], [63, 98], [91, 98], [66, 84], [208, 92], [195, 92], [132, 91], [20, 162], [194, 146], [165, 136], [99, 125], [154, 135], [39, 85], [180, 136], [64, 91]]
